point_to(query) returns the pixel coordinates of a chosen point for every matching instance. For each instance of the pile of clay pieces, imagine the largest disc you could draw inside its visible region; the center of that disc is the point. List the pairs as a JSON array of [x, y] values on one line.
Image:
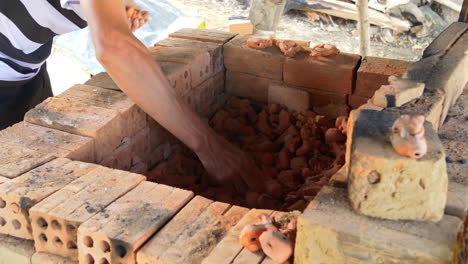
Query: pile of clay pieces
[[290, 47], [275, 237], [296, 152]]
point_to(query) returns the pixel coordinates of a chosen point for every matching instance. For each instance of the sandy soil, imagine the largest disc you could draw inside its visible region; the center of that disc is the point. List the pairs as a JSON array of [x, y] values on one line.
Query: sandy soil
[[295, 25]]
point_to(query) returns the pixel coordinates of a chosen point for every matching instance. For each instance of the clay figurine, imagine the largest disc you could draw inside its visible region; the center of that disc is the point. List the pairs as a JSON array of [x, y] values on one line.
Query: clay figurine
[[407, 136], [276, 242]]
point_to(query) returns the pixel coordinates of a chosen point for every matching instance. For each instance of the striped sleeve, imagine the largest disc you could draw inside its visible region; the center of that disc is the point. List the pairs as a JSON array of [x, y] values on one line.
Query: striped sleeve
[[73, 5]]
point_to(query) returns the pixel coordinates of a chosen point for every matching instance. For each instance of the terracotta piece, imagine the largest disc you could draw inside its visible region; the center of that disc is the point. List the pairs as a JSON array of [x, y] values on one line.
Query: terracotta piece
[[407, 136], [260, 43], [289, 47], [250, 237], [276, 240], [324, 50]]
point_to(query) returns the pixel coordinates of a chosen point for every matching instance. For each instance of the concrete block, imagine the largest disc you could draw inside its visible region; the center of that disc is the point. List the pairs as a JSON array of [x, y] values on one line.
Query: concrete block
[[55, 219], [294, 99], [374, 72], [15, 160], [114, 234], [329, 231], [205, 35], [334, 74], [266, 63], [18, 195], [457, 200], [214, 49], [192, 234], [247, 85], [198, 60], [133, 118], [15, 250], [397, 93], [385, 184], [446, 39], [48, 140], [103, 125]]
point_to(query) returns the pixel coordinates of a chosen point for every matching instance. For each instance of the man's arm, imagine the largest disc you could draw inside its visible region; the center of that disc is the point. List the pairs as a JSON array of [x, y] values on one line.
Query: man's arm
[[130, 65]]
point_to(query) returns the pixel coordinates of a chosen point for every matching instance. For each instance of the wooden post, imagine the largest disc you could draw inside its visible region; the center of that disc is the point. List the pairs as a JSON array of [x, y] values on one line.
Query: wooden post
[[363, 27], [464, 12], [265, 15]]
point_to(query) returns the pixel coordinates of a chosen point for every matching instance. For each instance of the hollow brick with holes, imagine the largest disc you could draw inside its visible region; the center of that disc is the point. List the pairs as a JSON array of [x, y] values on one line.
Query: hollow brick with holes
[[18, 195], [191, 235], [103, 125], [115, 234], [55, 219]]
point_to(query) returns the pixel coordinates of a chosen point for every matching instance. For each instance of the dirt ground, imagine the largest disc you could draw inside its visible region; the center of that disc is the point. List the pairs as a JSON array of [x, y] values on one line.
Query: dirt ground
[[295, 25]]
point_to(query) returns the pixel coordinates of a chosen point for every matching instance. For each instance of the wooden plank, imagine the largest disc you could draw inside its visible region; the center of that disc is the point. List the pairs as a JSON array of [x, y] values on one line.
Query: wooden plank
[[228, 249], [192, 234], [349, 11], [15, 160], [67, 209], [120, 229], [18, 195]]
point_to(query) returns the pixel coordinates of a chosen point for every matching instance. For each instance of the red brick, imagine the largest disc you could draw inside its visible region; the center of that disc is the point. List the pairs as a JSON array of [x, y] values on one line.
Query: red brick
[[247, 85], [15, 160], [48, 140], [374, 72], [198, 60], [207, 35], [120, 158], [293, 98], [56, 219], [133, 118], [207, 92], [214, 49], [178, 75], [335, 74], [355, 101], [20, 194], [104, 125], [267, 63]]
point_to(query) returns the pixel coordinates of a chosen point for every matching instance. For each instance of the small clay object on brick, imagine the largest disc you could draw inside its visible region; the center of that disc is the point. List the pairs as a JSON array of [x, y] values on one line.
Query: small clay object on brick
[[324, 50], [259, 43], [407, 136], [289, 47]]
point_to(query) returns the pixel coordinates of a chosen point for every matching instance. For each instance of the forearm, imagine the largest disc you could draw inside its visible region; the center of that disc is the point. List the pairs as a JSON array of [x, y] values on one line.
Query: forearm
[[130, 65]]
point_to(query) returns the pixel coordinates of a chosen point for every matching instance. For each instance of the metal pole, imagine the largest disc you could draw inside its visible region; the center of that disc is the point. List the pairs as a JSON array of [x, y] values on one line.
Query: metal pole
[[363, 27]]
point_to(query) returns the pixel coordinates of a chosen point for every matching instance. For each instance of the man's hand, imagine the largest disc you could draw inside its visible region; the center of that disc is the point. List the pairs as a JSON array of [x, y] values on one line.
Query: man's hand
[[229, 166], [136, 17]]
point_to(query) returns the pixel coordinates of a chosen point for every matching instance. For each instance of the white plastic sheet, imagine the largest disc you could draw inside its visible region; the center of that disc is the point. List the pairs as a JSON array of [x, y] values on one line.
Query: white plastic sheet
[[164, 19]]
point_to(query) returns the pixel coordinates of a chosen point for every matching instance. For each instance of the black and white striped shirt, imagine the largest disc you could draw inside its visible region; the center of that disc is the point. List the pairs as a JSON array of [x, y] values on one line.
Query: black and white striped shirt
[[27, 28]]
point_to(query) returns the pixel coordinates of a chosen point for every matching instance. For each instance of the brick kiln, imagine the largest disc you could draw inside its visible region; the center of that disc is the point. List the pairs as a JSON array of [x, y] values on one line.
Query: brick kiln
[[73, 186]]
